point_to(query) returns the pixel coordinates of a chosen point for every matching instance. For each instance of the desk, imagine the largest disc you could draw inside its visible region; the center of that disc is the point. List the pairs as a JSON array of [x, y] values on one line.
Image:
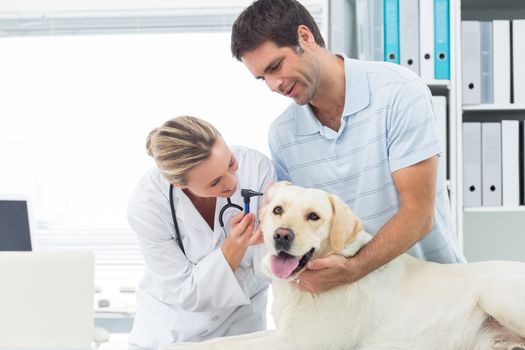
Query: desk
[[114, 322], [117, 313]]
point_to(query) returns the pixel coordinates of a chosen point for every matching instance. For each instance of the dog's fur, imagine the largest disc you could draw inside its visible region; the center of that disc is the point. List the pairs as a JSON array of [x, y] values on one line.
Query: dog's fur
[[406, 304]]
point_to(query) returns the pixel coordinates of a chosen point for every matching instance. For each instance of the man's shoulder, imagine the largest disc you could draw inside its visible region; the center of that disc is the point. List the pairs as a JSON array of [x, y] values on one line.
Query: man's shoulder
[[387, 70], [286, 118], [381, 73], [390, 82]]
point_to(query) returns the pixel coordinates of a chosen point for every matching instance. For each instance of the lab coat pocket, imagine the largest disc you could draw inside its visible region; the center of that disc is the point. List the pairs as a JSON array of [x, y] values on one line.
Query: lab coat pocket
[[218, 317], [190, 325]]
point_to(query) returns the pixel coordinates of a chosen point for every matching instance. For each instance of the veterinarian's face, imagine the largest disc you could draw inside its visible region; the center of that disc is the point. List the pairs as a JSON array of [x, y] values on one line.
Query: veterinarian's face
[[296, 225], [215, 177], [292, 72]]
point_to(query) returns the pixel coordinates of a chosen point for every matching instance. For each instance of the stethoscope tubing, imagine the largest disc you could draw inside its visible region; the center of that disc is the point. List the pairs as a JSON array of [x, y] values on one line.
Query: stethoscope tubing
[[221, 221]]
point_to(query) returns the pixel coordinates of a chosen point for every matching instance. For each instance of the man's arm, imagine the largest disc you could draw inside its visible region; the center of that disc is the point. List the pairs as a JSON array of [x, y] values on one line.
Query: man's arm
[[416, 186]]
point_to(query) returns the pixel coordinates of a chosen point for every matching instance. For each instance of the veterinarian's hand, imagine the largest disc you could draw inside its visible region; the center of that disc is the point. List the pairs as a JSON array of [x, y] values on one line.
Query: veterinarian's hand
[[257, 237], [327, 273], [241, 230], [240, 237]]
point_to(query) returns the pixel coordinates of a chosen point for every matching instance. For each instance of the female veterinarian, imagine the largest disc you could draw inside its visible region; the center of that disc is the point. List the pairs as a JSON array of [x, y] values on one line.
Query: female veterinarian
[[202, 277]]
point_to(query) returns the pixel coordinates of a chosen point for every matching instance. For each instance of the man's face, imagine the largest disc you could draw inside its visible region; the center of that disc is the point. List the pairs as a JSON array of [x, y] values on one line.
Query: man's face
[[292, 72]]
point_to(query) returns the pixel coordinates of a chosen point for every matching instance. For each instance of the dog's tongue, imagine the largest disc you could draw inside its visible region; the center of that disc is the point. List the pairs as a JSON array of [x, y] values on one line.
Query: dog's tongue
[[284, 264]]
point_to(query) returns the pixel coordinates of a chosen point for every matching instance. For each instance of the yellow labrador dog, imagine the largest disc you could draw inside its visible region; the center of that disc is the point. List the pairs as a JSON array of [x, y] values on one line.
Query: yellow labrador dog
[[406, 304]]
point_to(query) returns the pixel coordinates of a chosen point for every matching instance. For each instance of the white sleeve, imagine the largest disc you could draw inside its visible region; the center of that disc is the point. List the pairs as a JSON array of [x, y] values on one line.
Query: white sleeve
[[208, 285]]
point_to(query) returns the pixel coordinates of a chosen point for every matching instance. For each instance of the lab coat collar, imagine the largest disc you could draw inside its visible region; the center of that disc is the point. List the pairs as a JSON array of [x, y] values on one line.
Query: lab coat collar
[[192, 218]]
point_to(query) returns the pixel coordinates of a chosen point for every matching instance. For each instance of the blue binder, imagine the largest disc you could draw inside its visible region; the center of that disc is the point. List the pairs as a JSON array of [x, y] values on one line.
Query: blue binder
[[441, 39], [391, 8]]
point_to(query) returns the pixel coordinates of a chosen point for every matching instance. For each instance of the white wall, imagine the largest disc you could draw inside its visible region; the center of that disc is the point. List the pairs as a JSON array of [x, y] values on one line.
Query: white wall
[[95, 5]]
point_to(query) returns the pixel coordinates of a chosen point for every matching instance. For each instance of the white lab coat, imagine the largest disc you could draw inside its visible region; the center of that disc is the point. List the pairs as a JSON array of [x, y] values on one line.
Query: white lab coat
[[197, 296]]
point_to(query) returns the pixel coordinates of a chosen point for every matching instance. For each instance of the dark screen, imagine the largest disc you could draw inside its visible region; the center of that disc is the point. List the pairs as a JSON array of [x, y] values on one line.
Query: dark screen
[[14, 226]]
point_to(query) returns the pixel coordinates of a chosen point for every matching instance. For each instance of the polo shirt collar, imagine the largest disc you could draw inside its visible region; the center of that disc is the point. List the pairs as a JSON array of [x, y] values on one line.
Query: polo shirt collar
[[306, 123], [357, 98], [357, 88]]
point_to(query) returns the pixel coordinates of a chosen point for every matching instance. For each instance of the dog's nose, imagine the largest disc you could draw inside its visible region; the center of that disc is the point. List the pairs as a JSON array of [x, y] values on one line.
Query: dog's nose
[[283, 238]]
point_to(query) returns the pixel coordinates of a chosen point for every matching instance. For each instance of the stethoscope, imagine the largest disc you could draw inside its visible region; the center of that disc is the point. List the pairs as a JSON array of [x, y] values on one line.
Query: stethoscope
[[246, 195]]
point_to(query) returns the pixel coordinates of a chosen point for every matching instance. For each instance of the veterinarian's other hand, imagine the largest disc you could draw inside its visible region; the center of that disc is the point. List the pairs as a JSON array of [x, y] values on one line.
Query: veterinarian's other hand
[[327, 273]]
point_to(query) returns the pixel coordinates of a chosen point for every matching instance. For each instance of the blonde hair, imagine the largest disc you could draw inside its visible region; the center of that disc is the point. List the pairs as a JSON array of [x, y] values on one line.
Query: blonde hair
[[179, 145]]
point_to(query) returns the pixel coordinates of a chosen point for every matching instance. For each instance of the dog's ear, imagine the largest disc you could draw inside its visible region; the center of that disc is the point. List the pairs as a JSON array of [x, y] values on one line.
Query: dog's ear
[[262, 212], [268, 194], [345, 224]]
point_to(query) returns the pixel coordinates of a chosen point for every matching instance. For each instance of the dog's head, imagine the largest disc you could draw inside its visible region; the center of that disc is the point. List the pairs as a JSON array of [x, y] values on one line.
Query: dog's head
[[299, 224]]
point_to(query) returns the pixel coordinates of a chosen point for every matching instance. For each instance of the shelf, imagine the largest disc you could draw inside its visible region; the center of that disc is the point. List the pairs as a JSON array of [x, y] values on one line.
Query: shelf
[[487, 5], [438, 83], [520, 209], [492, 107]]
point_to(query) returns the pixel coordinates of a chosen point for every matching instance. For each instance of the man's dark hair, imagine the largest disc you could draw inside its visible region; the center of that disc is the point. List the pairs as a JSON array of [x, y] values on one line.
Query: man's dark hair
[[273, 20]]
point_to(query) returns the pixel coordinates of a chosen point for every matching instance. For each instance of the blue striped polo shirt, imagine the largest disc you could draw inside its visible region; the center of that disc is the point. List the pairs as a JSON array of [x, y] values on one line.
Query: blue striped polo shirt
[[387, 124]]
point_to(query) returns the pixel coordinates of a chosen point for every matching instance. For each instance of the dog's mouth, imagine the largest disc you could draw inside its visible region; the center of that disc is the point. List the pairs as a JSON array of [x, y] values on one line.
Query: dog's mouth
[[285, 265]]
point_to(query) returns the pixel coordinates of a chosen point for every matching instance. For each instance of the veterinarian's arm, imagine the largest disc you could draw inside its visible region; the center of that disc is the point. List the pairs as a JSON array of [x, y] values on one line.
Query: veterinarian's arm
[[416, 185], [192, 286]]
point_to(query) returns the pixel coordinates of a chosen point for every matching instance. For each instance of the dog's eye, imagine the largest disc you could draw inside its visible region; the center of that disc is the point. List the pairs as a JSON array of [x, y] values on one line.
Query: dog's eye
[[278, 210], [313, 217]]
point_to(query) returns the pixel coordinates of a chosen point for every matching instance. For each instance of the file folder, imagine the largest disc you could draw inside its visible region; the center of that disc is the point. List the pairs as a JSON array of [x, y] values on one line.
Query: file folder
[[518, 52], [501, 61], [441, 39], [392, 31], [439, 104], [510, 154], [491, 164], [487, 89], [471, 164], [471, 65], [377, 13], [364, 31], [426, 39], [409, 34], [369, 22]]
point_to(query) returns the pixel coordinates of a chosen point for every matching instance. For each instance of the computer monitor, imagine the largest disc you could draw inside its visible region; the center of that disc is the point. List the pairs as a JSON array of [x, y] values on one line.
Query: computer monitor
[[15, 224]]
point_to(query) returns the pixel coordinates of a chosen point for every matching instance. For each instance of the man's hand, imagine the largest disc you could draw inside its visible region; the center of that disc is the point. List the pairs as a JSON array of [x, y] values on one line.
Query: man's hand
[[417, 192], [327, 273]]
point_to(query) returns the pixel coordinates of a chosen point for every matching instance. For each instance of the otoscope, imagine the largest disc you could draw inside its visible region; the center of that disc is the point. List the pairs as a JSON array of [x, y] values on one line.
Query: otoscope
[[246, 195]]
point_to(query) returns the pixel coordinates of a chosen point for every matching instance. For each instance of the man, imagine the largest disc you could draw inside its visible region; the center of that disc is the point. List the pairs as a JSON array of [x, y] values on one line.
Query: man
[[362, 130]]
